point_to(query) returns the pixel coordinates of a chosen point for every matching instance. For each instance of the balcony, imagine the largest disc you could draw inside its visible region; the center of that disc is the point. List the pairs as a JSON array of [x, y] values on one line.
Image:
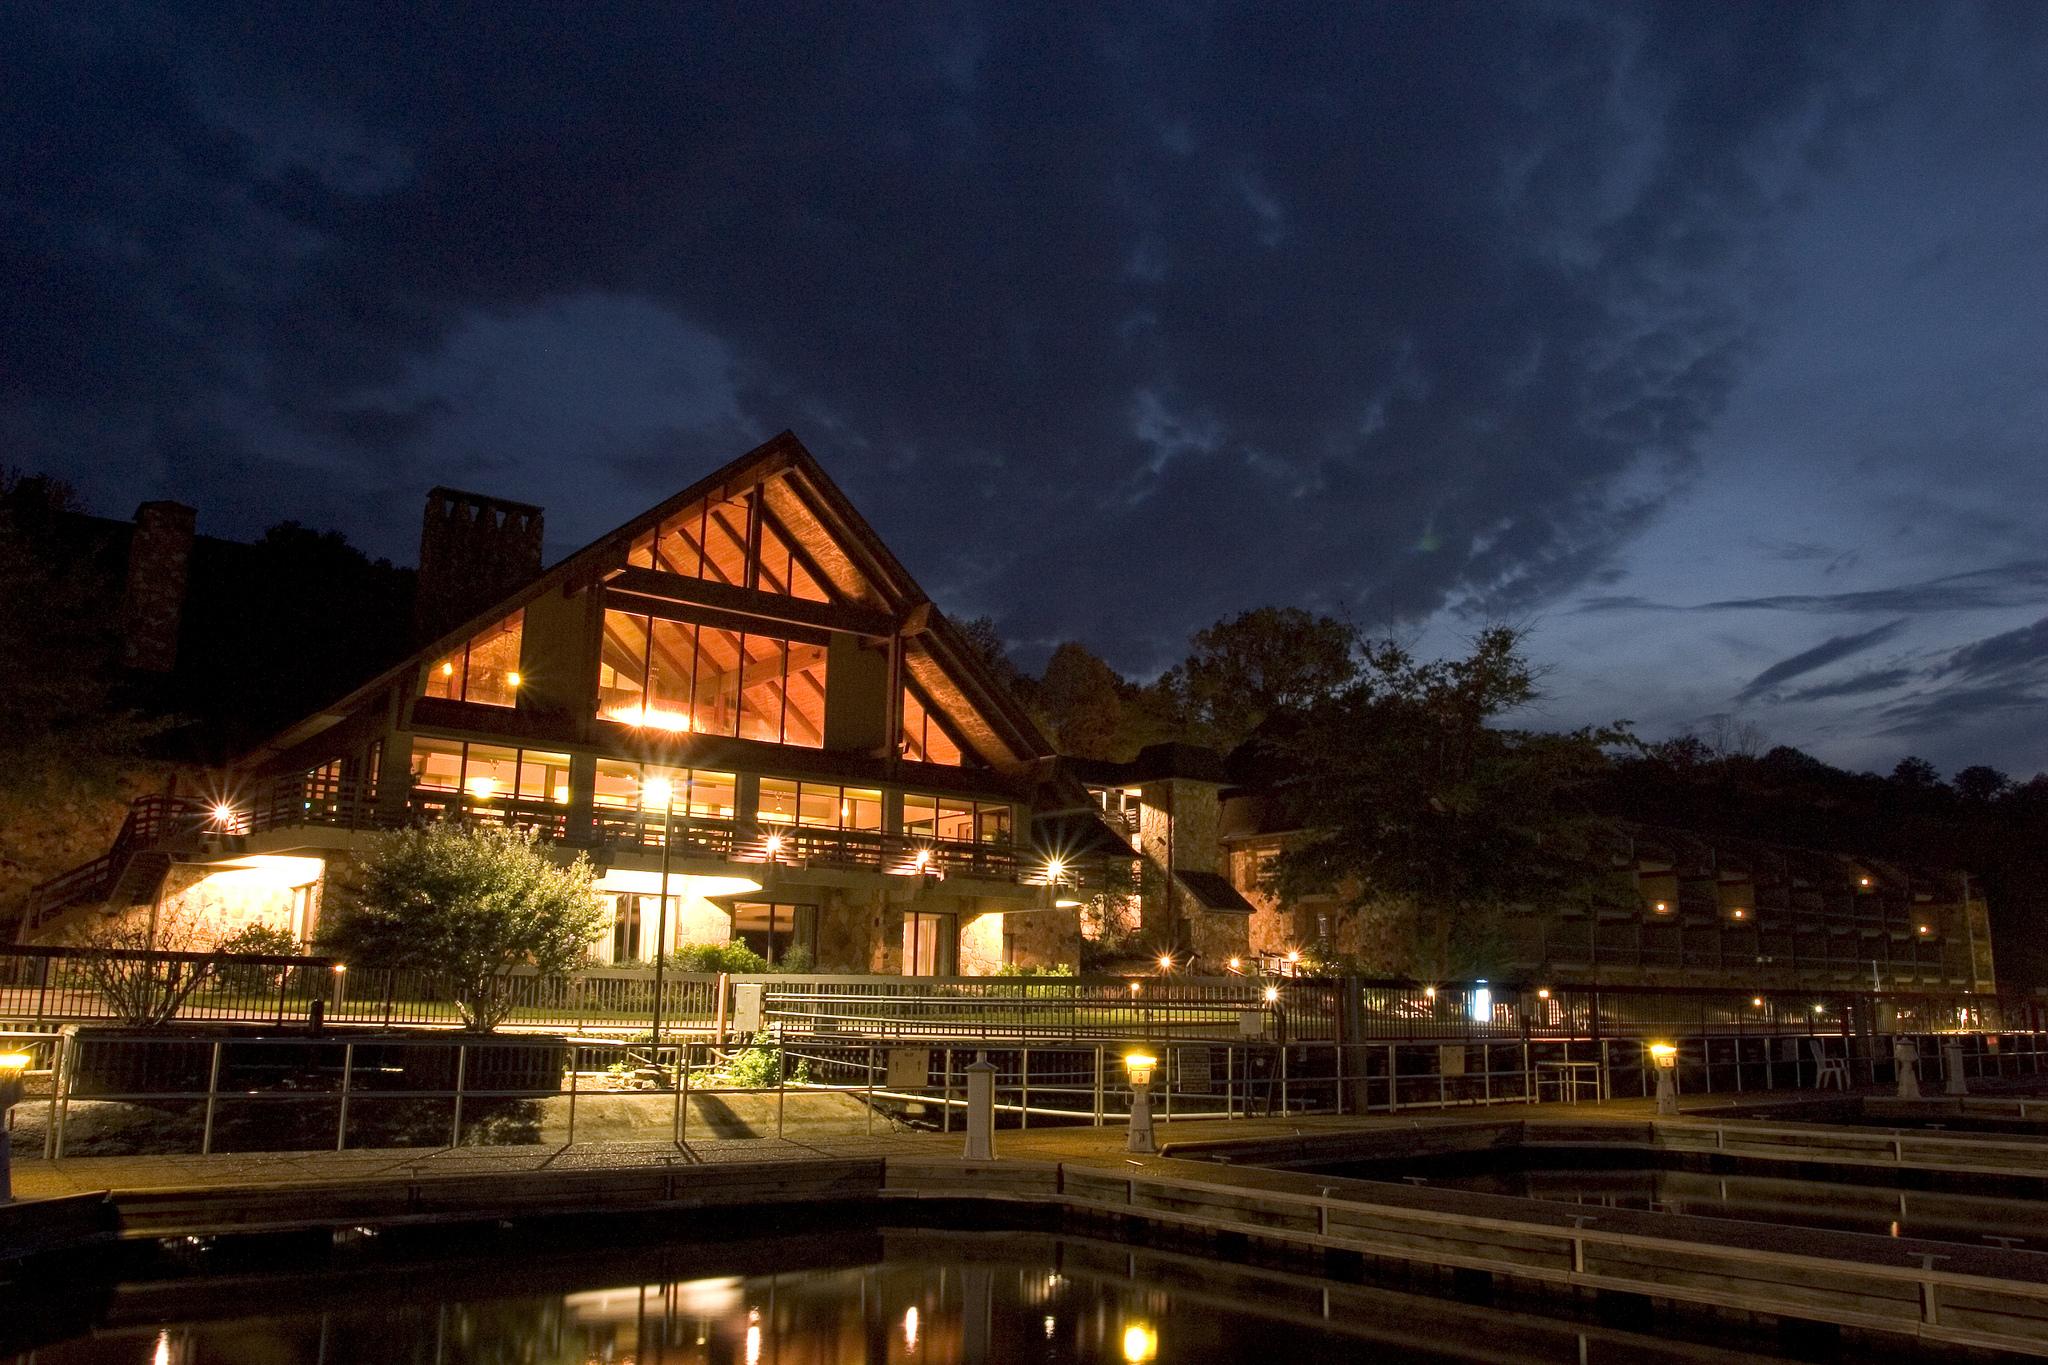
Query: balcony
[[161, 827]]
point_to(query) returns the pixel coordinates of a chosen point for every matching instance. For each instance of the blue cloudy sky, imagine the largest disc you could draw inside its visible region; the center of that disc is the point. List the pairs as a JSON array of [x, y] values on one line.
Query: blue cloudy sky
[[1709, 340]]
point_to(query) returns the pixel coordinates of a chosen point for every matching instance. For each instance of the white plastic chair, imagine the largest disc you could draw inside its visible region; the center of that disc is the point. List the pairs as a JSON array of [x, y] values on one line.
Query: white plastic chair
[[1828, 1069]]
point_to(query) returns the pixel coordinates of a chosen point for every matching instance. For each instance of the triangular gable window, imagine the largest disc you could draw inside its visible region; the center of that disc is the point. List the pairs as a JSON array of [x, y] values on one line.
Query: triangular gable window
[[736, 541], [927, 738]]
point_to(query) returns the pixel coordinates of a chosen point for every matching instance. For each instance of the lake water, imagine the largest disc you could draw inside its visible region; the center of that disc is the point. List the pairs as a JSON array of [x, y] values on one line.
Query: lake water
[[537, 1297]]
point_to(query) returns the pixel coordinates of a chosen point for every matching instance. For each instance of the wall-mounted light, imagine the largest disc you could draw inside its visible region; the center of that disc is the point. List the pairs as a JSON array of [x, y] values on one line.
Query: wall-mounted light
[[1543, 992], [1272, 994], [1662, 907], [512, 678]]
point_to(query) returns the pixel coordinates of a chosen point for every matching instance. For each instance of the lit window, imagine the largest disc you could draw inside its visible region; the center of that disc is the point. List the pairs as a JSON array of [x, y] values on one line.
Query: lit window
[[485, 670], [711, 541], [925, 737], [683, 678], [955, 819]]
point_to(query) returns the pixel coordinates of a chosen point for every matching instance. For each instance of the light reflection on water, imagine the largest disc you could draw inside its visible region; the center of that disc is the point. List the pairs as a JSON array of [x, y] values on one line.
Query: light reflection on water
[[897, 1298]]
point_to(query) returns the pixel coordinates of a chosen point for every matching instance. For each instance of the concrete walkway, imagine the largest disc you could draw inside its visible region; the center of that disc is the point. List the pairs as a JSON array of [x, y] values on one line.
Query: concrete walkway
[[78, 1175]]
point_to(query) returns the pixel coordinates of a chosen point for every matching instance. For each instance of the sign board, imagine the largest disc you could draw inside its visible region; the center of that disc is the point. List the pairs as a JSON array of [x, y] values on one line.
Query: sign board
[[746, 1007], [1251, 1023], [910, 1068], [1195, 1063], [1450, 1059]]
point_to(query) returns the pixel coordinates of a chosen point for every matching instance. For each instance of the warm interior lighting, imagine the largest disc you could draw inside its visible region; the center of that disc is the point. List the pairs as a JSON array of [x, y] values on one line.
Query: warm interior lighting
[[1140, 1065], [679, 884], [659, 791], [482, 787], [922, 859], [772, 845], [447, 668], [562, 794], [1272, 995], [910, 1327], [1141, 1344], [650, 718], [14, 1061]]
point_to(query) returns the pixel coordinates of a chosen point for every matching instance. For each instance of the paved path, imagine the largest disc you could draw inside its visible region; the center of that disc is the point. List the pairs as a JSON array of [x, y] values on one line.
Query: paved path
[[77, 1175]]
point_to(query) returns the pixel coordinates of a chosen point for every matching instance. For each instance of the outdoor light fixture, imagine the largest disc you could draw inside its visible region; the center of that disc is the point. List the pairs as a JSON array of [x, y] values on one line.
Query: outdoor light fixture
[[448, 669], [512, 678], [1236, 964], [1757, 1000], [1926, 928], [223, 814], [1166, 962], [922, 859], [1863, 881], [1294, 955], [340, 968], [1140, 1066], [1543, 993], [1429, 992], [1664, 1058], [1740, 913], [1662, 907], [1141, 1344], [1272, 995], [1055, 869], [1137, 986]]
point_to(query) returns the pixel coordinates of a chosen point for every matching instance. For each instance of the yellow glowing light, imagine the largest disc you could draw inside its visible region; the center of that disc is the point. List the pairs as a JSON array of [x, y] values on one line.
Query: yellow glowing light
[[223, 813], [1863, 881], [1429, 991], [448, 669], [162, 1354], [1757, 1000], [910, 1327], [1137, 986], [1543, 993], [340, 968], [1141, 1343], [1294, 955], [649, 718], [1926, 928], [1662, 907], [512, 678], [482, 787], [1272, 995], [14, 1061], [773, 844], [1166, 962], [659, 791], [1236, 963], [1140, 1065], [1740, 913], [1055, 869], [1664, 1053], [922, 859], [562, 794]]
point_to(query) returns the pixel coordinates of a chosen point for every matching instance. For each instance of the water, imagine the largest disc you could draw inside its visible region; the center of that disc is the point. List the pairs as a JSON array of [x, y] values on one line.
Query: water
[[1662, 1183], [525, 1295]]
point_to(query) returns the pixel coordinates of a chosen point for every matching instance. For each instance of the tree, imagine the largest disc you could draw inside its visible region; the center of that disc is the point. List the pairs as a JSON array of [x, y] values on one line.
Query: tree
[[1981, 782], [1432, 819], [71, 747], [128, 960], [1241, 670], [1082, 698], [466, 904], [1916, 774]]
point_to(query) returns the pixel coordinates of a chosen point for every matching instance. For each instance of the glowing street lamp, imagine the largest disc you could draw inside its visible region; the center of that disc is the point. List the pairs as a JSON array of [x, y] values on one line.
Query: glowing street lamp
[[1140, 1343], [1165, 963], [1140, 1065], [1664, 1060], [13, 1066]]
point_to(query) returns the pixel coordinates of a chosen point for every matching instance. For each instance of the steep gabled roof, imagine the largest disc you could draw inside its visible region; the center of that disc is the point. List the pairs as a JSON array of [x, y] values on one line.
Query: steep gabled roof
[[857, 566]]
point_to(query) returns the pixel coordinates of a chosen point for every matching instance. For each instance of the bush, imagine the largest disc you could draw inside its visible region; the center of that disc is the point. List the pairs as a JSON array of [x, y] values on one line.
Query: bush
[[1015, 969], [796, 961], [260, 940], [733, 957], [754, 1067]]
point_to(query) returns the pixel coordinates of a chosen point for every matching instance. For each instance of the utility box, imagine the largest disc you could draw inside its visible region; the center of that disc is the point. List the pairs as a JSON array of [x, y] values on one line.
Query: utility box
[[910, 1068], [747, 1006]]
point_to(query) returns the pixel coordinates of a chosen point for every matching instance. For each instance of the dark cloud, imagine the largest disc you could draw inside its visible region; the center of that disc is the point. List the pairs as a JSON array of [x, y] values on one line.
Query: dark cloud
[[1855, 685], [2021, 583], [2013, 651], [1819, 656], [1385, 308]]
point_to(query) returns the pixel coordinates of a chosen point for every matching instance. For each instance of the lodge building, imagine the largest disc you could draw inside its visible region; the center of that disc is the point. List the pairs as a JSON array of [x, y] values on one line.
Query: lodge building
[[741, 699]]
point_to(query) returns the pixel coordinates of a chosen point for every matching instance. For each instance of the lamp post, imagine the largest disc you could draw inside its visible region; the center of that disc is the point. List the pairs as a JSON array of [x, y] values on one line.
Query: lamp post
[[12, 1067], [665, 791], [1141, 1141], [1664, 1058]]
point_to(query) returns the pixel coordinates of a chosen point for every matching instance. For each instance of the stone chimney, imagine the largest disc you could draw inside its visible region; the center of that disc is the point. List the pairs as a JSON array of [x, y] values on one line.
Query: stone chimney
[[153, 599], [473, 549]]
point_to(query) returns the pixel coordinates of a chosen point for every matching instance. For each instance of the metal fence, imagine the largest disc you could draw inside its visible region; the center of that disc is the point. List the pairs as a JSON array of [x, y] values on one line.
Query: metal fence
[[59, 985], [210, 1094]]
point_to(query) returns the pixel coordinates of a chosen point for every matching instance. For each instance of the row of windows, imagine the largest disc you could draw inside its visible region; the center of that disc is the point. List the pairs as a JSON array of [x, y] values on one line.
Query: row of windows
[[488, 772], [485, 669]]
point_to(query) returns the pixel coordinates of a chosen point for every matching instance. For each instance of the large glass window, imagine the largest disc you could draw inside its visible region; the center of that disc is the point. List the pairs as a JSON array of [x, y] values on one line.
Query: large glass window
[[773, 929], [484, 670], [486, 773], [696, 792], [931, 944], [679, 676], [826, 804], [925, 737], [736, 541], [956, 818]]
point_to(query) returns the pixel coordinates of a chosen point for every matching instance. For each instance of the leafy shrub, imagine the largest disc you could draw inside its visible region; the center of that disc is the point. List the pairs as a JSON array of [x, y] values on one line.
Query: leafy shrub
[[1016, 969], [796, 961], [754, 1067], [734, 957], [258, 939]]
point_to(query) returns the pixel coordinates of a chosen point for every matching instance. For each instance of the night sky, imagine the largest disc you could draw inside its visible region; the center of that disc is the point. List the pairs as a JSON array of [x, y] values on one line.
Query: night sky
[[1710, 340]]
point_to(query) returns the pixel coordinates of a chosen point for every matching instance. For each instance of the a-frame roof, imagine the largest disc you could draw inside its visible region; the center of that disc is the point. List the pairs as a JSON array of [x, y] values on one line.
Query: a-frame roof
[[827, 529]]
